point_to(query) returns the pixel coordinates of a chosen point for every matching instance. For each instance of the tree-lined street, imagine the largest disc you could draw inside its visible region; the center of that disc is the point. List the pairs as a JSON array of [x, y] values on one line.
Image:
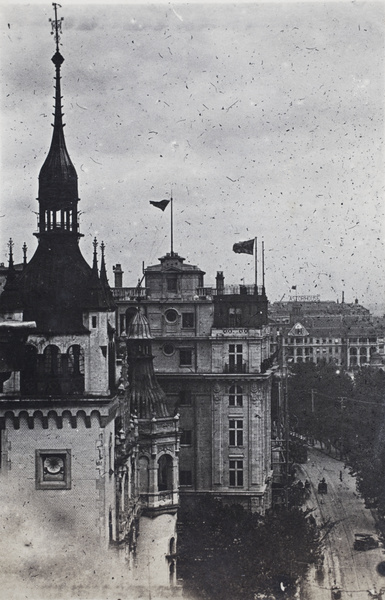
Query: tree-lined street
[[340, 513]]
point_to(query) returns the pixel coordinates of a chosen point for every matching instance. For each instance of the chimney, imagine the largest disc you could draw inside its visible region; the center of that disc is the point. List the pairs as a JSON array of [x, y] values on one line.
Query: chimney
[[343, 297], [118, 275], [220, 282]]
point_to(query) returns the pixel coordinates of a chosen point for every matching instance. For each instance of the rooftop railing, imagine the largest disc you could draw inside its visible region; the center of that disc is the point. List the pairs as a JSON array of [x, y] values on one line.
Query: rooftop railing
[[129, 293], [248, 290]]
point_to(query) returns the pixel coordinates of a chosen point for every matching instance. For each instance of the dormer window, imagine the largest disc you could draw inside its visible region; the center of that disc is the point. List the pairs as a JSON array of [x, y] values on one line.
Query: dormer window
[[235, 317]]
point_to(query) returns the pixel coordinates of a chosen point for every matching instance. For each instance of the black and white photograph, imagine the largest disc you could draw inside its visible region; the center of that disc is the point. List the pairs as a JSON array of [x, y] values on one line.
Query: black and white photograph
[[192, 300]]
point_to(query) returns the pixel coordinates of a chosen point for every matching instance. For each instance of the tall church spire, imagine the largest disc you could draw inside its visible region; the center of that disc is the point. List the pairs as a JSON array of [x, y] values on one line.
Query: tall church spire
[[57, 285], [58, 181]]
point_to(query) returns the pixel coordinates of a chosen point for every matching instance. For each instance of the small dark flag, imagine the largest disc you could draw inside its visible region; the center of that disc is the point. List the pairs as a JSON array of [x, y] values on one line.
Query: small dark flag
[[162, 204], [293, 287], [244, 247]]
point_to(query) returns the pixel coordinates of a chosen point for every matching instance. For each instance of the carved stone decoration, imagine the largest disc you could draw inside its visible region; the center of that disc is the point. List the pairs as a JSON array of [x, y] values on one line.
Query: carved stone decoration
[[167, 449], [217, 392], [256, 392]]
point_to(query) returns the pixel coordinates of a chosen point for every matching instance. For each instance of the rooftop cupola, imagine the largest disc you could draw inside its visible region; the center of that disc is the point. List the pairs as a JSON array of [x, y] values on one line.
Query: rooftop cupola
[[58, 181]]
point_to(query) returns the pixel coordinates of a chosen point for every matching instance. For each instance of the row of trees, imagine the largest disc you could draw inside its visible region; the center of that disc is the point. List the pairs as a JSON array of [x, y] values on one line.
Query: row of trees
[[228, 553], [345, 414]]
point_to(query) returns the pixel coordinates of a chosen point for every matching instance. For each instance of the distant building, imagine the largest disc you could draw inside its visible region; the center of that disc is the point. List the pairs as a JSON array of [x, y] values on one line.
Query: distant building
[[323, 331], [213, 359]]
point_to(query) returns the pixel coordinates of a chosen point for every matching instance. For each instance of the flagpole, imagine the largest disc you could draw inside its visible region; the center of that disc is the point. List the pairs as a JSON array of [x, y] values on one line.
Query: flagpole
[[263, 267], [256, 264], [172, 227]]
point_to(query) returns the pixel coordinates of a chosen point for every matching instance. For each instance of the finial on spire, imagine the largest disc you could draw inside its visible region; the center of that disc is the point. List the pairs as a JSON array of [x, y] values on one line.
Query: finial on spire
[[56, 25], [103, 270], [25, 248], [95, 258], [10, 246]]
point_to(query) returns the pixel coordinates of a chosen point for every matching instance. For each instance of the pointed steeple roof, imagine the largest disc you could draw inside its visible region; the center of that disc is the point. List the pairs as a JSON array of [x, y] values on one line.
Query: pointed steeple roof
[[104, 279], [100, 293], [57, 285], [58, 180], [145, 396]]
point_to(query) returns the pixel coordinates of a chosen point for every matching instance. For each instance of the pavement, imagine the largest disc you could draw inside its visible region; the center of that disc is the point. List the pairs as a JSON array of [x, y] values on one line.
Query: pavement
[[341, 513]]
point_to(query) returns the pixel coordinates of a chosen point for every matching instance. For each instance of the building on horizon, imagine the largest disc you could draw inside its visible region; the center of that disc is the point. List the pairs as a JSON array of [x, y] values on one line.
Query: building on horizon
[[317, 331]]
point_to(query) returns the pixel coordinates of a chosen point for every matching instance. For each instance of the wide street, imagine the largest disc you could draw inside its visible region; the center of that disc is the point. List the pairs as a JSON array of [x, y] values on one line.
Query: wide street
[[341, 513]]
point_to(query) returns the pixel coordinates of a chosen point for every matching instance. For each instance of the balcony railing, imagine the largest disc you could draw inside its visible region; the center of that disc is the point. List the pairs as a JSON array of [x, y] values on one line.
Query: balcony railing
[[160, 499], [248, 290], [238, 368], [129, 293]]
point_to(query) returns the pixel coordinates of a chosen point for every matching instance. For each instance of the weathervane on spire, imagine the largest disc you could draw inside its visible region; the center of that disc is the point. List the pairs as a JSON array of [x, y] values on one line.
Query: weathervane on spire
[[10, 246], [56, 25]]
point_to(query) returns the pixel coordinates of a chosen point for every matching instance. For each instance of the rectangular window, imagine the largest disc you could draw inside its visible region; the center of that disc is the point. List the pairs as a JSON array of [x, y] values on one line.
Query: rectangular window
[[235, 358], [53, 469], [186, 437], [93, 322], [185, 398], [185, 477], [235, 395], [236, 473], [187, 320], [185, 358], [172, 283], [236, 432]]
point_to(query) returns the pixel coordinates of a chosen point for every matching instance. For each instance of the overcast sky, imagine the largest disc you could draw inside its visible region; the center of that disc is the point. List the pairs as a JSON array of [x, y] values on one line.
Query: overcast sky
[[265, 120]]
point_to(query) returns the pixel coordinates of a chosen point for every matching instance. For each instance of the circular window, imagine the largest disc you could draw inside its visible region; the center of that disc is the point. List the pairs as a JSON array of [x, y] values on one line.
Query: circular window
[[171, 315], [168, 349]]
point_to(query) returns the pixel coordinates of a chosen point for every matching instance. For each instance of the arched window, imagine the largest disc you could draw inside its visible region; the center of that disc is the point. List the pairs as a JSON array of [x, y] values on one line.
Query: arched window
[[235, 395], [165, 473], [172, 546], [75, 370], [51, 383], [75, 360], [52, 361]]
